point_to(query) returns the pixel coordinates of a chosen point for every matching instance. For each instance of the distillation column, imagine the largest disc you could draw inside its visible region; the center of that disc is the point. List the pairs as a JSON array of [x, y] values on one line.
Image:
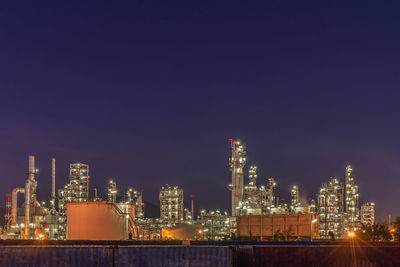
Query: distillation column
[[29, 191], [53, 186], [237, 163], [351, 200]]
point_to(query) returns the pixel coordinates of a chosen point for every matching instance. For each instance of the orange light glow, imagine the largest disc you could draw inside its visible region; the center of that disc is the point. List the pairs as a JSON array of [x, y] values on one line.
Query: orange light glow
[[351, 234]]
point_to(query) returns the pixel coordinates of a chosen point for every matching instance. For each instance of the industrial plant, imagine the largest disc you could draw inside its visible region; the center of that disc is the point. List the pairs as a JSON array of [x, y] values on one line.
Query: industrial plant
[[256, 212]]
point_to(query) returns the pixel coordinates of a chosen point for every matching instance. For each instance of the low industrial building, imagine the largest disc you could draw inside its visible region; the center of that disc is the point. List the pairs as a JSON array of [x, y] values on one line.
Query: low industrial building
[[281, 226]]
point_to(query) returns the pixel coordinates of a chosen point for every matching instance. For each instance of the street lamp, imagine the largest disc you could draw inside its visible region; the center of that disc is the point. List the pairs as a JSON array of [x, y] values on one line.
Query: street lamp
[[312, 222], [201, 233]]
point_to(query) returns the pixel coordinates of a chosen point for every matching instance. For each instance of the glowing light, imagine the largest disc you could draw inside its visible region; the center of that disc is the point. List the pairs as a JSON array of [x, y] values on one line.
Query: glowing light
[[351, 234]]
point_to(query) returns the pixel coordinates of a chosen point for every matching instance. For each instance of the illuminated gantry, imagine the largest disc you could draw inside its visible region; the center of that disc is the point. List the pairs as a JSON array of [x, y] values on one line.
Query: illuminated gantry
[[330, 209], [254, 199], [171, 204], [295, 202], [352, 211], [112, 192], [236, 163]]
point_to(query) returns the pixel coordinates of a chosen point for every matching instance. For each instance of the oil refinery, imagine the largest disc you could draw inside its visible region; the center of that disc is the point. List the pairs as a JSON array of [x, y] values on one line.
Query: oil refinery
[[256, 211]]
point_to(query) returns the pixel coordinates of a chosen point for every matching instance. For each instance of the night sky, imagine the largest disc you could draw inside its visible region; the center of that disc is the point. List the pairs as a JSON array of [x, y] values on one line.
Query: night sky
[[149, 92]]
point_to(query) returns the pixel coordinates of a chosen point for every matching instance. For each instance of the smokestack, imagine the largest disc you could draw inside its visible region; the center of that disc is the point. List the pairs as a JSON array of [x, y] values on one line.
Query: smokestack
[[31, 170], [53, 178], [28, 194]]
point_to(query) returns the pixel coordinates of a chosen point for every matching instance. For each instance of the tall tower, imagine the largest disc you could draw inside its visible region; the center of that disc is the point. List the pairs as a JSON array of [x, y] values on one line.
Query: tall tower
[[253, 175], [368, 213], [171, 204], [77, 190], [112, 192], [351, 201], [30, 196], [79, 181], [135, 197], [330, 209], [271, 187], [236, 164], [295, 201], [53, 186]]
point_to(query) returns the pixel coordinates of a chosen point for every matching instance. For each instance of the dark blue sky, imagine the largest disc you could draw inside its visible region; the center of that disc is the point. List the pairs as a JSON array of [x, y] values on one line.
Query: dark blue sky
[[148, 93]]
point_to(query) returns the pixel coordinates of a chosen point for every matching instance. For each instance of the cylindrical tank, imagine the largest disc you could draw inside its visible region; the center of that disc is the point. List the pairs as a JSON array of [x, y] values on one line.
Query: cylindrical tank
[[96, 221]]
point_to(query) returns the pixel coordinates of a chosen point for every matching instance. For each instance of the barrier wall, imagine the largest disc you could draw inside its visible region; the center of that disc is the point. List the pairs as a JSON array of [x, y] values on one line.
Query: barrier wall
[[322, 254], [140, 256]]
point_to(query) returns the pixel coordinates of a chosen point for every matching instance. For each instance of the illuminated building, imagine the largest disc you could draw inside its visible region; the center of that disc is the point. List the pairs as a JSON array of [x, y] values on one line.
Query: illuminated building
[[352, 212], [254, 199], [76, 191], [171, 204], [368, 213], [295, 201], [236, 163], [214, 224], [330, 209], [271, 194], [135, 197], [112, 192]]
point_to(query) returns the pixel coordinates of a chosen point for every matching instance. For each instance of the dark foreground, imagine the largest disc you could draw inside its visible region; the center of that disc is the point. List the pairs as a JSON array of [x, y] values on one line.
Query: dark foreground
[[131, 253]]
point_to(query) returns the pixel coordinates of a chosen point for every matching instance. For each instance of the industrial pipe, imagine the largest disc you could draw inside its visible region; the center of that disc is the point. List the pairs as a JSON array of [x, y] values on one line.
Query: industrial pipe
[[53, 178], [14, 203], [27, 206]]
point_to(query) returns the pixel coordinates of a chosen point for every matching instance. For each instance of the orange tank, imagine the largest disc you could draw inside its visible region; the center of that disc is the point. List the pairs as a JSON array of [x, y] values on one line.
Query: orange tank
[[99, 221]]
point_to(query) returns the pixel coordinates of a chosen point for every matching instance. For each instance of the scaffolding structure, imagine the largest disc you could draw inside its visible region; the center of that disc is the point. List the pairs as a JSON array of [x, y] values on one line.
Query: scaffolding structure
[[214, 225], [77, 190], [112, 192], [271, 194], [330, 209], [368, 213], [236, 163], [295, 201], [254, 199], [135, 197], [171, 204], [352, 208]]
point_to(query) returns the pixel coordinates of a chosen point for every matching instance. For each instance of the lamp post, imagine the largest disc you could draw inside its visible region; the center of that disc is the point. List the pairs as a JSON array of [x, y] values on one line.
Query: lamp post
[[312, 222]]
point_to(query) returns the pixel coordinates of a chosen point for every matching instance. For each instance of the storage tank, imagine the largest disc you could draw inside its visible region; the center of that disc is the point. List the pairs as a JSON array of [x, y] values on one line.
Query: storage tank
[[99, 221]]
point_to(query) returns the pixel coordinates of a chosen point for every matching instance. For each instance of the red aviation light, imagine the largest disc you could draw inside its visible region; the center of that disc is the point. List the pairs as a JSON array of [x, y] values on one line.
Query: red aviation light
[[192, 196], [230, 140]]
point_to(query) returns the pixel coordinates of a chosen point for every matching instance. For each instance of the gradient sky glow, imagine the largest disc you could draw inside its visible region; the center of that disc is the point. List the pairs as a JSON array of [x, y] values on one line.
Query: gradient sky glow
[[149, 92]]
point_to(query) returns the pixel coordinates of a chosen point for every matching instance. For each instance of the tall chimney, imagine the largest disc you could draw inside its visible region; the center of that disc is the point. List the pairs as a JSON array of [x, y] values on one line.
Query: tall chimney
[[53, 178], [28, 194], [31, 171]]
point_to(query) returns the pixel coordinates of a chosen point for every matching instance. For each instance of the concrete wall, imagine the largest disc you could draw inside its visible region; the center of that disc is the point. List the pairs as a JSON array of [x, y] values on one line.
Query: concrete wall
[[159, 256], [267, 225], [95, 221], [327, 256], [324, 254]]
